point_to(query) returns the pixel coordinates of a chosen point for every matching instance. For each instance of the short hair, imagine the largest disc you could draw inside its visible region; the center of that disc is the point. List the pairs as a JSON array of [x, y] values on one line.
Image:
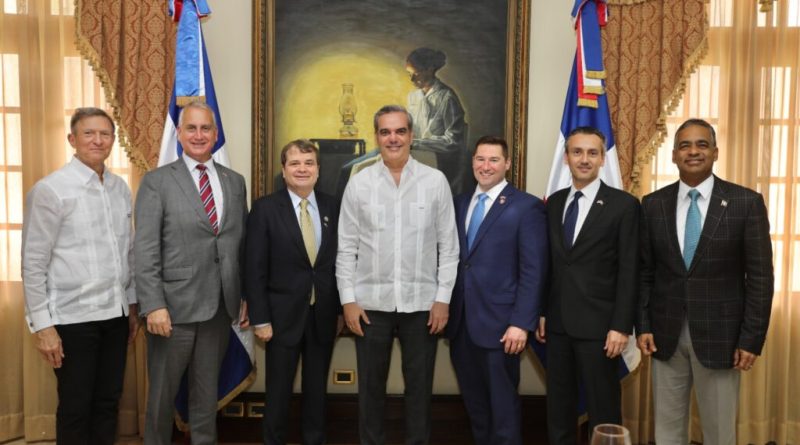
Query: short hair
[[699, 123], [492, 140], [589, 131], [87, 112], [198, 105], [386, 109], [426, 59], [303, 146]]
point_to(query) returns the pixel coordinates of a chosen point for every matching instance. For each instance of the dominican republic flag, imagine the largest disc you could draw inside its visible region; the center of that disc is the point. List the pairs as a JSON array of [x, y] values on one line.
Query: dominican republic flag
[[193, 81], [587, 106], [586, 103]]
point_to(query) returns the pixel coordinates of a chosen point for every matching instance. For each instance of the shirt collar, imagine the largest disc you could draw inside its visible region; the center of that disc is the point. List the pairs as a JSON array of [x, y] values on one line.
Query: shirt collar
[[409, 169], [590, 191], [312, 199], [192, 164], [493, 192], [705, 188], [84, 172]]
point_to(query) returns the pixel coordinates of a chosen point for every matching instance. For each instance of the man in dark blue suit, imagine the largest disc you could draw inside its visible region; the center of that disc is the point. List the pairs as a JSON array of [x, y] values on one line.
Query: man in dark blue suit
[[503, 264]]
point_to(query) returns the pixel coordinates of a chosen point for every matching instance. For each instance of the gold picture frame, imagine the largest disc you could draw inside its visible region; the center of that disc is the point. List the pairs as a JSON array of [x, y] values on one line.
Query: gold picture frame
[[460, 30]]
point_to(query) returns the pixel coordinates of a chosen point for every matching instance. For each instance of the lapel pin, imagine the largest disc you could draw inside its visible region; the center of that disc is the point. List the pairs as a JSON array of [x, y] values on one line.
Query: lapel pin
[[600, 202], [502, 200], [325, 221], [724, 203]]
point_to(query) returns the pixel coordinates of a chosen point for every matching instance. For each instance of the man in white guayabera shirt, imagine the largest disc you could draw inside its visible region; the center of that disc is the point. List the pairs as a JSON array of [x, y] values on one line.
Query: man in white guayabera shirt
[[395, 269], [79, 292]]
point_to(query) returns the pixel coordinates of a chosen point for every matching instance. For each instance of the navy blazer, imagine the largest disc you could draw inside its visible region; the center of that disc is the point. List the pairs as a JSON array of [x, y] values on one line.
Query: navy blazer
[[502, 277]]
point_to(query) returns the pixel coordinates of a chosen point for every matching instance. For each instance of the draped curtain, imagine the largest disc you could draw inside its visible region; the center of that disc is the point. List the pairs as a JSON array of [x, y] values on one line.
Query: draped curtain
[[746, 84], [130, 46]]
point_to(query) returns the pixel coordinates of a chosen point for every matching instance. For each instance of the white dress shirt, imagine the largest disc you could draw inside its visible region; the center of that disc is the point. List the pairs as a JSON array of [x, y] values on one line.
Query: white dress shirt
[[77, 248], [584, 205], [491, 196], [398, 245], [213, 179], [684, 200], [313, 211]]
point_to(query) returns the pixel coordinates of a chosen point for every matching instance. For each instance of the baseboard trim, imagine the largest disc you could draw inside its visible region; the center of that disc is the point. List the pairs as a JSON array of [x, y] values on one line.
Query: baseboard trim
[[450, 425]]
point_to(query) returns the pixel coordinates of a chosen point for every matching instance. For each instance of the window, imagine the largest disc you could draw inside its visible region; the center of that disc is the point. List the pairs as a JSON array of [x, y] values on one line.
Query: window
[[764, 99], [63, 82]]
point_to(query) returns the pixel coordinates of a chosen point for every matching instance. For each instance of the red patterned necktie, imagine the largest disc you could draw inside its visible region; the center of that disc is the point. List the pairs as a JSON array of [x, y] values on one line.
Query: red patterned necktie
[[207, 196]]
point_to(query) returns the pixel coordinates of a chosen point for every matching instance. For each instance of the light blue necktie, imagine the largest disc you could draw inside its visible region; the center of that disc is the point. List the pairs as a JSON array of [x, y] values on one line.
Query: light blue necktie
[[692, 234], [476, 219]]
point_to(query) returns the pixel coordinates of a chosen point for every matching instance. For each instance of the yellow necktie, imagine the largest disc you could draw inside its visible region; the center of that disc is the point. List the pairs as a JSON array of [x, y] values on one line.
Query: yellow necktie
[[309, 238]]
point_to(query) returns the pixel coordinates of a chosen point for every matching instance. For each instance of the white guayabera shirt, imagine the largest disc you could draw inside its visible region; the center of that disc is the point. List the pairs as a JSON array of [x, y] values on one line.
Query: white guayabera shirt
[[77, 248], [398, 245]]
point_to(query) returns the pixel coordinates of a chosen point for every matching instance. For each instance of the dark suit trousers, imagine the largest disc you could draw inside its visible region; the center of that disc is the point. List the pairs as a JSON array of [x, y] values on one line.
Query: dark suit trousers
[[373, 352], [199, 349], [281, 363], [571, 362], [90, 380], [489, 380]]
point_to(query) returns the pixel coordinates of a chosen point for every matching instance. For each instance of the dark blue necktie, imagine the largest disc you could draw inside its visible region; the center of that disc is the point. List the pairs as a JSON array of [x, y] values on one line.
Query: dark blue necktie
[[476, 219], [570, 219], [693, 228]]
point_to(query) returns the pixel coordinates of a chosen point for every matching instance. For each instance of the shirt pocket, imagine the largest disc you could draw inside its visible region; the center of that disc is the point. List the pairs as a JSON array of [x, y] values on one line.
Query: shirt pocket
[[419, 214]]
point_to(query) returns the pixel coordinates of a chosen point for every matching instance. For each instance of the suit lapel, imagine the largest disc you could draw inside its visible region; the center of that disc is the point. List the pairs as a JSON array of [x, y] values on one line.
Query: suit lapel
[[327, 231], [502, 202], [186, 184], [716, 211], [289, 219], [227, 191], [669, 211]]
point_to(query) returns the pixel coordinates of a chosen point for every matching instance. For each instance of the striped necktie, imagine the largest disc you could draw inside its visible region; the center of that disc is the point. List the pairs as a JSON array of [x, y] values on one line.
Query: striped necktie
[[207, 196]]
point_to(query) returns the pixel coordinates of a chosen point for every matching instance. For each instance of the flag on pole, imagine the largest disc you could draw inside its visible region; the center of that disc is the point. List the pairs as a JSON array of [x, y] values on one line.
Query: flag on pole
[[586, 105], [193, 82]]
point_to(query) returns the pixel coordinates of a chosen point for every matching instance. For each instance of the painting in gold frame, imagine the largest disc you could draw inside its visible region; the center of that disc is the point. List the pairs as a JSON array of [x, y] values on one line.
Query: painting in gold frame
[[306, 52]]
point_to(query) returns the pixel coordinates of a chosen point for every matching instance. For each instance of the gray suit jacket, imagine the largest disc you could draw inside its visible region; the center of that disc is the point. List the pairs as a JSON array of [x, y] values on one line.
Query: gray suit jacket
[[180, 263]]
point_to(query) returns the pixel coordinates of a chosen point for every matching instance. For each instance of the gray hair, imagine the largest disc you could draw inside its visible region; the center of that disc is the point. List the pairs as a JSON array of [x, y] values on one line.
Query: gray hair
[[198, 105], [386, 109]]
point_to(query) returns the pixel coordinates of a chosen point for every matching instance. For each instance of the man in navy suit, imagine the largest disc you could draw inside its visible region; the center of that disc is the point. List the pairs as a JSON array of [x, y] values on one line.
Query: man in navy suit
[[502, 233], [594, 234], [706, 289], [291, 291]]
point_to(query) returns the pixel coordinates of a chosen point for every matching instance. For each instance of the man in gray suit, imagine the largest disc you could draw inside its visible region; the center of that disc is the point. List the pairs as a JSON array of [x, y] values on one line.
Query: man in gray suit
[[190, 217]]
